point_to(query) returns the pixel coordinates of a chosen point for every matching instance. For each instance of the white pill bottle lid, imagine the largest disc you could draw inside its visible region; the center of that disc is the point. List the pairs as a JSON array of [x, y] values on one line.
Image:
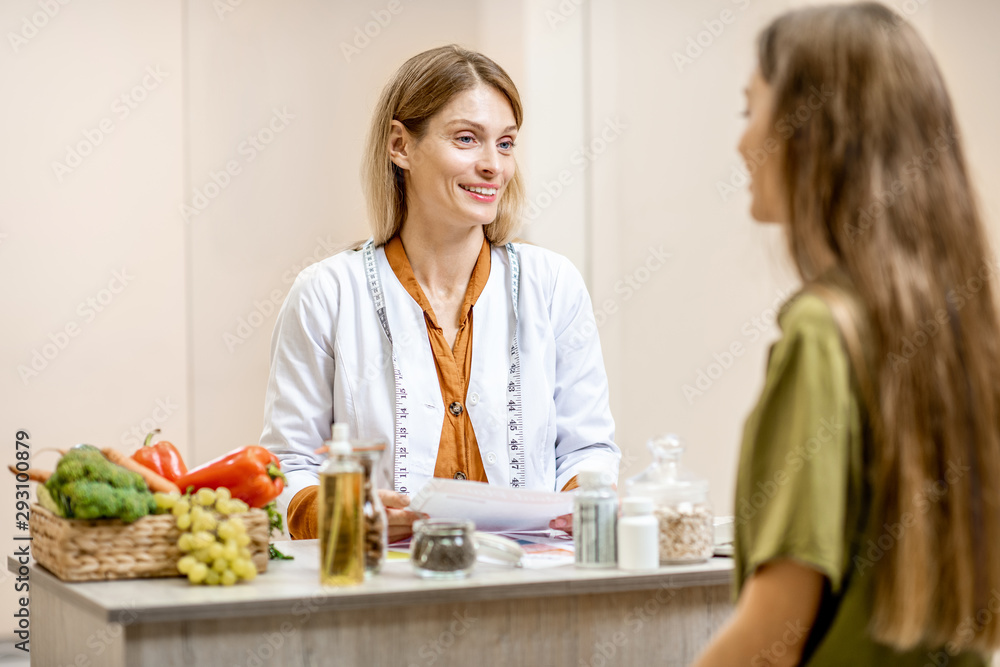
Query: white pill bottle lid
[[637, 506]]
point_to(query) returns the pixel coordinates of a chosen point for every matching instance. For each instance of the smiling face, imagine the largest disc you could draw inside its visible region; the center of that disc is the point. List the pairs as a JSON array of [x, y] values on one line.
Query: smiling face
[[456, 172], [760, 148]]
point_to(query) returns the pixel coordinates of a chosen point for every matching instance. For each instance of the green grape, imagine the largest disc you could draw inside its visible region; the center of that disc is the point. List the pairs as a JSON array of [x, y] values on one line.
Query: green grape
[[239, 507], [197, 573], [181, 506], [185, 564], [185, 542], [214, 541], [245, 568], [203, 539], [165, 501], [208, 522], [205, 497], [238, 568], [226, 530]]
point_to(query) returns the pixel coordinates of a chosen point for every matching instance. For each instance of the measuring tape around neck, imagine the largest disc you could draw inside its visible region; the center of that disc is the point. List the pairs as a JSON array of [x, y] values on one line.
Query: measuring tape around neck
[[515, 421]]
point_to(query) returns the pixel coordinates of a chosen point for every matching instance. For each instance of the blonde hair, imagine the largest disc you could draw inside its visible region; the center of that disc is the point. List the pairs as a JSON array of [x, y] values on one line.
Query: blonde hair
[[877, 185], [420, 89]]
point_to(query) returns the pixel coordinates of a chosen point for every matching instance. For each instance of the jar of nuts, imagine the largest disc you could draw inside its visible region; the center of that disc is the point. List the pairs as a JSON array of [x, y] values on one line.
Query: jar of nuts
[[368, 453], [680, 504]]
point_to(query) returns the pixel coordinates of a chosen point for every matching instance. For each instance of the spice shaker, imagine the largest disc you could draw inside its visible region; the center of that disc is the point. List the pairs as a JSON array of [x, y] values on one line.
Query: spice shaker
[[680, 503], [638, 533], [368, 453], [595, 520], [341, 524]]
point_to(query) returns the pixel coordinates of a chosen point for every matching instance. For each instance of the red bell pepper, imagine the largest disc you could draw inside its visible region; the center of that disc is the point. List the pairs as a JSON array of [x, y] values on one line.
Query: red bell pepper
[[252, 474], [162, 458]]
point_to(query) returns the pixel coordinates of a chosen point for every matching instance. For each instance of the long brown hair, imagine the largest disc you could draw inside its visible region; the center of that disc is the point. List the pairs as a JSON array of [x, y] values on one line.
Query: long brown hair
[[877, 186], [421, 87]]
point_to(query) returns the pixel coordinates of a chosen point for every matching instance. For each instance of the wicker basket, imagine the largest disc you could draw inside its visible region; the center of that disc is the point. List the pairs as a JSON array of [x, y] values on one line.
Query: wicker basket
[[81, 550]]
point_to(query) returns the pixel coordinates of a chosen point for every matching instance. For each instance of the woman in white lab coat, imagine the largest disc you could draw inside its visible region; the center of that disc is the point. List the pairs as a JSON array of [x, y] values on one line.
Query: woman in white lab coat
[[471, 356]]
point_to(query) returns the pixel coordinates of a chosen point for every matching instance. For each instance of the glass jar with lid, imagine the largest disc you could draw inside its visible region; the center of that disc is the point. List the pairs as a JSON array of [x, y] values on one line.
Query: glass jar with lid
[[448, 548], [680, 503], [443, 548], [368, 453]]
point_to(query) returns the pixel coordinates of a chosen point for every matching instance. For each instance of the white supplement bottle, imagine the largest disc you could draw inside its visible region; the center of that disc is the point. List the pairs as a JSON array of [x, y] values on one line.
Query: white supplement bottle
[[638, 535]]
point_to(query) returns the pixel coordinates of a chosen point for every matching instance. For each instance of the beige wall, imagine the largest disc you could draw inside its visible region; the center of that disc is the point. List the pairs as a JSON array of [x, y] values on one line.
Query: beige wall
[[184, 344]]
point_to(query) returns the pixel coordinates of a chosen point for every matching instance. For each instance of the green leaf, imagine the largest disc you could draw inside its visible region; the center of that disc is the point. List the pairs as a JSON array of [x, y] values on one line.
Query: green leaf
[[274, 523], [277, 555]]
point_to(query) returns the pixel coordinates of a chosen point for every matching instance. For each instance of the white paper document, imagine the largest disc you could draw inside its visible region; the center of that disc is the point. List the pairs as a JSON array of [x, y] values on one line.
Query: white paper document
[[492, 508]]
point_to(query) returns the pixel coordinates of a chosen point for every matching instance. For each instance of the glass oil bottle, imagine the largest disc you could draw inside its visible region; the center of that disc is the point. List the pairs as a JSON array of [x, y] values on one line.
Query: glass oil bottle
[[341, 523]]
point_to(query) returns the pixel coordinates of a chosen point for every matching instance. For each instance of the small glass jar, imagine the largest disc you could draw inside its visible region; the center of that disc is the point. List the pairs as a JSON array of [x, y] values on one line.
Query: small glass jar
[[443, 548], [376, 546], [680, 504]]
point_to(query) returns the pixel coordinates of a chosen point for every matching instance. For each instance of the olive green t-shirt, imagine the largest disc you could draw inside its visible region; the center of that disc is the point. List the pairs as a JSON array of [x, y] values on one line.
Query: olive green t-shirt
[[802, 491]]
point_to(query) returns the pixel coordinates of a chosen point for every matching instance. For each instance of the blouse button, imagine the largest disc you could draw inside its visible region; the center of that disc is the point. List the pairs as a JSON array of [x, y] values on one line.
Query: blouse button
[[455, 408], [459, 475], [473, 398], [491, 458]]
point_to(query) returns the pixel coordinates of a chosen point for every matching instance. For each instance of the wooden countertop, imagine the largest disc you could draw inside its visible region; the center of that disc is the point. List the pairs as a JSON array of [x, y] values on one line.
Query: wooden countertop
[[290, 587]]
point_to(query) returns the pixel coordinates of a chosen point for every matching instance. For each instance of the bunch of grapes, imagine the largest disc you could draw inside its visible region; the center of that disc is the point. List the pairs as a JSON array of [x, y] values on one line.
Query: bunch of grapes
[[215, 542]]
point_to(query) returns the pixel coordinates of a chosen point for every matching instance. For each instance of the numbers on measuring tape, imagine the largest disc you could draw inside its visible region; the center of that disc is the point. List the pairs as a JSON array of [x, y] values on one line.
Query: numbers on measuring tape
[[517, 474], [516, 423], [400, 447]]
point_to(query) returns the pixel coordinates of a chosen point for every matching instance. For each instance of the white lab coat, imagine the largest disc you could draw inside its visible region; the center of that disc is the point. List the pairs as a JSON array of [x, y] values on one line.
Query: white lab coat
[[331, 362]]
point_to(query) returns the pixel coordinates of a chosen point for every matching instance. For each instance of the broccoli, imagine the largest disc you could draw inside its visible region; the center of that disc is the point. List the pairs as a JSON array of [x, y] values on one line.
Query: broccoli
[[87, 462], [88, 486]]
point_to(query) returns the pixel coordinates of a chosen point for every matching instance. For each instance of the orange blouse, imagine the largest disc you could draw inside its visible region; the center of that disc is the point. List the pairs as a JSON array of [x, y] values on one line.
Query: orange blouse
[[458, 451]]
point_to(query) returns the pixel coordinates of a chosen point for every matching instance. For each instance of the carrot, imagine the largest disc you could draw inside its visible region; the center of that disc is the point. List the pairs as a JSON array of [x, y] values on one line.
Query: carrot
[[155, 482], [34, 474]]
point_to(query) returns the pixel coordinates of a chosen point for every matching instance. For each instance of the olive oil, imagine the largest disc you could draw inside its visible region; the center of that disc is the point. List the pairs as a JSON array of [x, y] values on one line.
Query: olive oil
[[341, 522]]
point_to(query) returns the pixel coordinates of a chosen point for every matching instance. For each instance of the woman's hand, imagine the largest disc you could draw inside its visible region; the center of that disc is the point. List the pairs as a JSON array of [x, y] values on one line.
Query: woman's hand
[[400, 519], [564, 522]]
